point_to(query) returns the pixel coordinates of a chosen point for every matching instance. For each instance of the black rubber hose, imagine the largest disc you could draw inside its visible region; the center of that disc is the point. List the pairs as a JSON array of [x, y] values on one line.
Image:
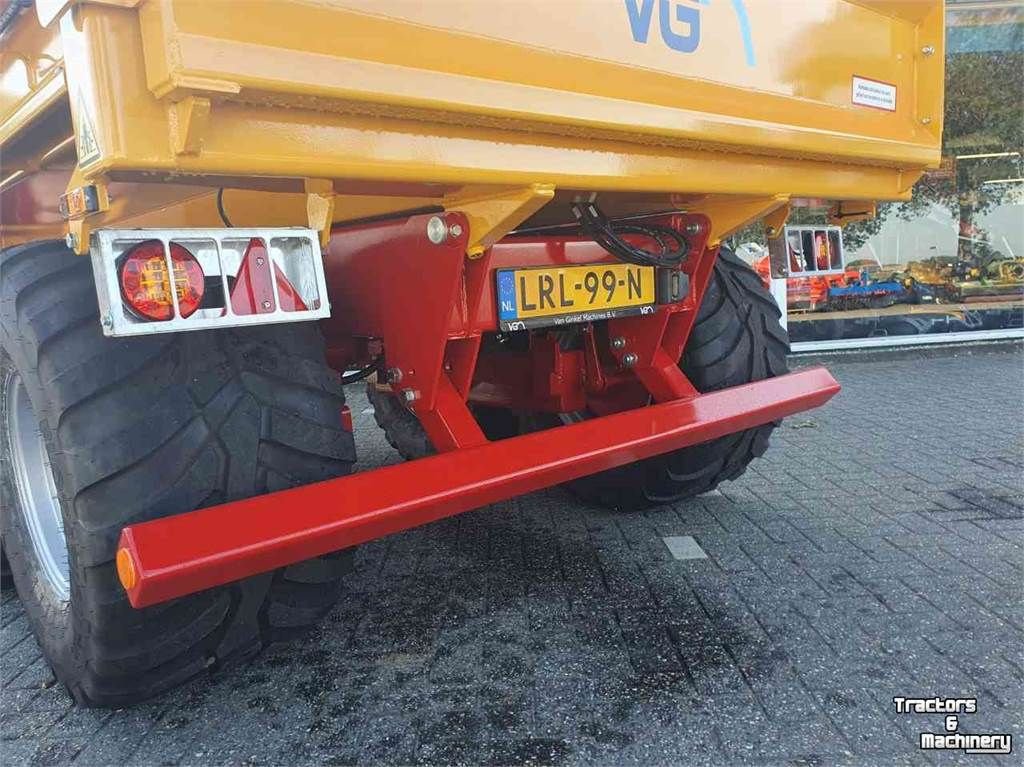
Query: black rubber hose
[[608, 235], [359, 375], [220, 209], [11, 12]]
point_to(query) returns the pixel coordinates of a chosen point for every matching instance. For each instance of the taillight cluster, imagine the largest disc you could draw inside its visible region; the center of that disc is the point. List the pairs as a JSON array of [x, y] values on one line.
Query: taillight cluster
[[171, 280], [149, 287]]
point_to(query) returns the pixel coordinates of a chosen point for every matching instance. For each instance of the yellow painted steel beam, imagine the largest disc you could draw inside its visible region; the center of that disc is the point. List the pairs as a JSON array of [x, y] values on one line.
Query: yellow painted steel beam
[[156, 206], [868, 154], [250, 141], [36, 103], [525, 70]]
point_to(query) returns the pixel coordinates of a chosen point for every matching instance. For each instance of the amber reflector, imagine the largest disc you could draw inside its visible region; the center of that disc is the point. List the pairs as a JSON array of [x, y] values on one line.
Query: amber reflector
[[125, 569]]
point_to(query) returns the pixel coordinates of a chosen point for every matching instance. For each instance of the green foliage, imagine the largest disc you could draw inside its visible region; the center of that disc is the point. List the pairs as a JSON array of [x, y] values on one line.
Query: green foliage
[[984, 113], [984, 104]]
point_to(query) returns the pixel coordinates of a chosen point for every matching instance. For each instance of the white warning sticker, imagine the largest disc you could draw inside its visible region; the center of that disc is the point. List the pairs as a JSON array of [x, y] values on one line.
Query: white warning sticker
[[872, 93], [88, 147]]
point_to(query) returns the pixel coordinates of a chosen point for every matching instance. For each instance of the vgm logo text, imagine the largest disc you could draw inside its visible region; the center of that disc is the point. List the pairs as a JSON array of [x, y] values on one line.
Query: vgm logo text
[[679, 23]]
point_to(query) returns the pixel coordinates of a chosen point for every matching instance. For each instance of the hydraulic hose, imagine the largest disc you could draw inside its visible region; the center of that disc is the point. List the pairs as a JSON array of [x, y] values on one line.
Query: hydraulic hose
[[608, 234]]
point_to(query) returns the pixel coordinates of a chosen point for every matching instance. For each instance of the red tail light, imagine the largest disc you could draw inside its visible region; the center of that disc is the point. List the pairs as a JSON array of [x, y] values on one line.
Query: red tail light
[[146, 284]]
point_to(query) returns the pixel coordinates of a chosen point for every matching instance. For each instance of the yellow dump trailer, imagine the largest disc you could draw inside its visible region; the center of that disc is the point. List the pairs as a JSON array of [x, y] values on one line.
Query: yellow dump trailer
[[506, 216]]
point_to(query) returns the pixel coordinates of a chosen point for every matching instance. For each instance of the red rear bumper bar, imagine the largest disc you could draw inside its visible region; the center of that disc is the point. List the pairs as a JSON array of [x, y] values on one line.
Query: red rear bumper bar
[[182, 554]]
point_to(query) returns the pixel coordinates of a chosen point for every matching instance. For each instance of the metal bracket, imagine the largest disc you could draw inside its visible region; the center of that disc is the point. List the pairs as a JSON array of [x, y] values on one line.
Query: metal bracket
[[652, 346], [382, 291], [729, 213], [320, 207], [79, 226], [775, 229], [775, 222], [848, 211], [83, 201], [494, 212], [189, 119]]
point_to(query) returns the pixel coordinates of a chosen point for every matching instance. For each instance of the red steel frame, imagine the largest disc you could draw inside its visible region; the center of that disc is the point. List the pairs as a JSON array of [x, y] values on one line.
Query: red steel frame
[[377, 271], [428, 307]]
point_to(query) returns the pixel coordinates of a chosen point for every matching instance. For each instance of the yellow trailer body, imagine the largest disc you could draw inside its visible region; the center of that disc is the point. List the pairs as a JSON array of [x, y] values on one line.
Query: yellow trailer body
[[392, 104]]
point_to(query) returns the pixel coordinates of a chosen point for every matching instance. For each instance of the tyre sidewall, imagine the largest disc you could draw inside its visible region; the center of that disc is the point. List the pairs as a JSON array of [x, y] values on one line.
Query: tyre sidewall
[[51, 619]]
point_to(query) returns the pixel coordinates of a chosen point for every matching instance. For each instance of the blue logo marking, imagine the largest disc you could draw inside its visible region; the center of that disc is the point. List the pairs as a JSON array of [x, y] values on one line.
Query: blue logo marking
[[640, 23], [641, 11], [507, 309]]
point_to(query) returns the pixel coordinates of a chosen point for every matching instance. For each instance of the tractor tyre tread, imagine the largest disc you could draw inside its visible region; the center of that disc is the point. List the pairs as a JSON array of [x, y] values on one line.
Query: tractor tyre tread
[[143, 427]]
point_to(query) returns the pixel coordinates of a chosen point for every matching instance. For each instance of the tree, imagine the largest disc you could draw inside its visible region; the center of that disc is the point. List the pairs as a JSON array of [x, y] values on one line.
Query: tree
[[984, 114]]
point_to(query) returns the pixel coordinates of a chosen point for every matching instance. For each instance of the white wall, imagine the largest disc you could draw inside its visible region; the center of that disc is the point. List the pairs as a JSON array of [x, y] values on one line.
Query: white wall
[[935, 234]]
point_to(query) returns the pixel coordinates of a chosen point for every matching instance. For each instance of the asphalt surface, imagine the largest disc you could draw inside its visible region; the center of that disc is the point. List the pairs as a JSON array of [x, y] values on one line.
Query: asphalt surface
[[876, 551]]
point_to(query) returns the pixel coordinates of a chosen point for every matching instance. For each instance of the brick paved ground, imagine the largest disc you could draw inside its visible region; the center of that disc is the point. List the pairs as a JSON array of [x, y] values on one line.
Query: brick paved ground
[[875, 551]]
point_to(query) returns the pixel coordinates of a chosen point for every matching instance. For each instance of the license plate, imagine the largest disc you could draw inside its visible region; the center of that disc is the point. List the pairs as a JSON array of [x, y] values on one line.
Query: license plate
[[529, 298]]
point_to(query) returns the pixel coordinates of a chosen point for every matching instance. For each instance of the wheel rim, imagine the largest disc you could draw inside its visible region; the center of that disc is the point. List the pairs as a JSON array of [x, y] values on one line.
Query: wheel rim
[[36, 489]]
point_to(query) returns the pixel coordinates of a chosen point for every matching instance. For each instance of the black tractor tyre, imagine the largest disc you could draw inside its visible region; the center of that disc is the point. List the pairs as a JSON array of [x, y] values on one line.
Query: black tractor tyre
[[400, 425], [145, 427], [6, 579], [737, 338], [404, 433]]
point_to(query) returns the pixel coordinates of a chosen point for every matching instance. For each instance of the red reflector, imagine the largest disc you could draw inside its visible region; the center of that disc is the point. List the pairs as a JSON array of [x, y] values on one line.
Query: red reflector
[[346, 418], [146, 286]]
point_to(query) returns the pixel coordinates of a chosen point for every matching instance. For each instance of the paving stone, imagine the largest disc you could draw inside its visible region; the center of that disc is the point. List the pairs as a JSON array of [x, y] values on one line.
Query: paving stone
[[879, 553], [684, 547]]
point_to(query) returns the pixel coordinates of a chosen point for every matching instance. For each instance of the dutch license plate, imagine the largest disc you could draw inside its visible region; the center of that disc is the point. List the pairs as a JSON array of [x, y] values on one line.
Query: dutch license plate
[[529, 298]]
